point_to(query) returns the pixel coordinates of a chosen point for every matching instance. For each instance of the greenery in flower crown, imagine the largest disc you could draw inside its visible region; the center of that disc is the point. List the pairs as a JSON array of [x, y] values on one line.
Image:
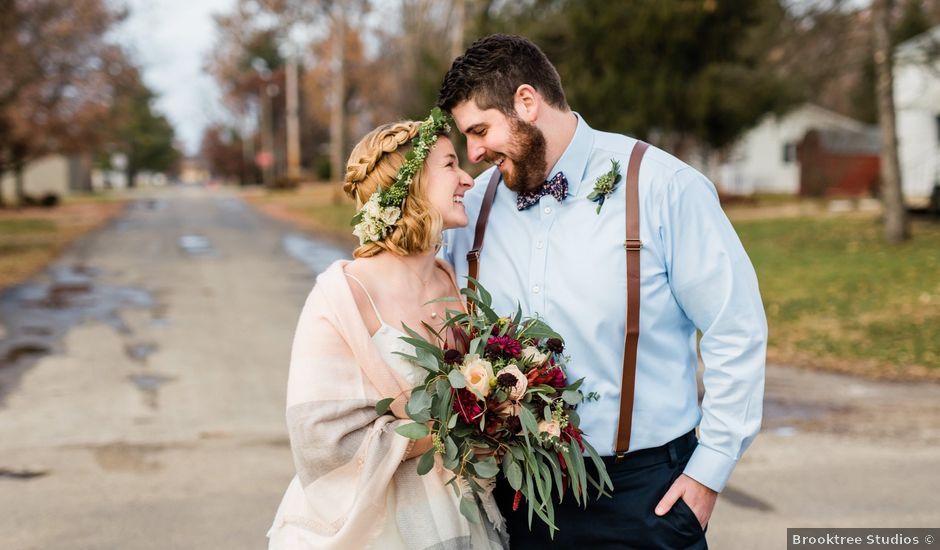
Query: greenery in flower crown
[[378, 215]]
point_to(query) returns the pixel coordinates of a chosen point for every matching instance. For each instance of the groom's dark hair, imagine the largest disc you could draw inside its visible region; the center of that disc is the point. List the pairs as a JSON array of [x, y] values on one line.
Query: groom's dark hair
[[491, 70]]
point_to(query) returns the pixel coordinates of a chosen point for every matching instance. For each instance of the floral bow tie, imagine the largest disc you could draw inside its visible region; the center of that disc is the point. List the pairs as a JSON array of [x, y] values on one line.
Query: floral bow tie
[[556, 187]]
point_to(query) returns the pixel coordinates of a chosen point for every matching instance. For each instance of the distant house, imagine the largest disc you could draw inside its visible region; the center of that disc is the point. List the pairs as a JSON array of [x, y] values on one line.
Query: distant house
[[765, 160], [49, 175], [917, 105]]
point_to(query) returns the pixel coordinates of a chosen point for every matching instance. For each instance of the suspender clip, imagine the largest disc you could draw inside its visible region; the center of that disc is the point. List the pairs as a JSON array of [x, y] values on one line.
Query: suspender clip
[[633, 244]]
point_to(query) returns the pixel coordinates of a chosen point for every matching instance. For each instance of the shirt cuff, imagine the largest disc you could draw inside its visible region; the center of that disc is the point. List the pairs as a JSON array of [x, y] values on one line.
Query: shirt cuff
[[710, 467]]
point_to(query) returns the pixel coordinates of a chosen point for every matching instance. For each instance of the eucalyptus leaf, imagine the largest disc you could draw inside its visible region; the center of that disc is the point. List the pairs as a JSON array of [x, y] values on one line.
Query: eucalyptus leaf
[[475, 344], [457, 379], [442, 387], [383, 405], [599, 464], [468, 507], [427, 360], [414, 430], [576, 385], [571, 397], [486, 468], [426, 462], [450, 448], [529, 423], [514, 475], [536, 328], [422, 344], [419, 406]]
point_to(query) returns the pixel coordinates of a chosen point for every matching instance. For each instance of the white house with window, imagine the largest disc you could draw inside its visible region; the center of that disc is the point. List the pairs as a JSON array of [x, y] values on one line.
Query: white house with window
[[763, 160], [917, 106]]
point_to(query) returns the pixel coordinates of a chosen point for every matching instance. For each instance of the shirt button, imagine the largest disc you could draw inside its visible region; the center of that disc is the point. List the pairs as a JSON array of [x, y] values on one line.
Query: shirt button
[[548, 209], [536, 289], [539, 245]]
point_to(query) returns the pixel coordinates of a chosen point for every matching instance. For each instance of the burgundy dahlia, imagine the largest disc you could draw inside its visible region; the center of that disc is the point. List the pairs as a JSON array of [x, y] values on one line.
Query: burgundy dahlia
[[503, 346], [513, 424], [556, 378], [466, 405]]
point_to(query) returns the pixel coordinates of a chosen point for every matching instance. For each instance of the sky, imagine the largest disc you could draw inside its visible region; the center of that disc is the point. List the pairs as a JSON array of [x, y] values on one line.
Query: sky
[[170, 40]]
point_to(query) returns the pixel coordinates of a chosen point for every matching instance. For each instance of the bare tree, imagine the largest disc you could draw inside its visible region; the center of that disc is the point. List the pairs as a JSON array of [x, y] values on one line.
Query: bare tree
[[896, 223]]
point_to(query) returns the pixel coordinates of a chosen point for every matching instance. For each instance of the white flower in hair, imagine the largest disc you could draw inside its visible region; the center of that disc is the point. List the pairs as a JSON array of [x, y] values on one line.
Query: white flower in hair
[[390, 215], [381, 212]]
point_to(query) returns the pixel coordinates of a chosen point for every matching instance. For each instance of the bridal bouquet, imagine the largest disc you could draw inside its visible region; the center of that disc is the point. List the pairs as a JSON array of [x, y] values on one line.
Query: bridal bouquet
[[496, 400]]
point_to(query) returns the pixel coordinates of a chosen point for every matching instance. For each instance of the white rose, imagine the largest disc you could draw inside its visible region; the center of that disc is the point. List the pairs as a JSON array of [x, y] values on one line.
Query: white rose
[[532, 353], [478, 373], [372, 208], [390, 215], [376, 230], [517, 391], [362, 231], [550, 427]]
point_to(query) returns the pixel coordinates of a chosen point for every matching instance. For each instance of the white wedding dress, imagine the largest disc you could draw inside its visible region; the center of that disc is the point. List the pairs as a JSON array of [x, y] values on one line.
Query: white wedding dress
[[388, 341]]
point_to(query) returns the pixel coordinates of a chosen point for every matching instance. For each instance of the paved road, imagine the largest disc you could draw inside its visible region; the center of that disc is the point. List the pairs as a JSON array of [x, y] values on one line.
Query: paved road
[[156, 421]]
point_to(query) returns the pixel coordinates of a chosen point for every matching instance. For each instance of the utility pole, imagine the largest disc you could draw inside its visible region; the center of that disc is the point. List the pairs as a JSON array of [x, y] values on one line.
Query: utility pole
[[293, 121], [338, 113], [457, 37]]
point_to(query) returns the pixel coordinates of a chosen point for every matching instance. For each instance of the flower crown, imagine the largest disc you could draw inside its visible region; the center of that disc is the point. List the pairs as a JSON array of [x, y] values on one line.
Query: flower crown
[[378, 216]]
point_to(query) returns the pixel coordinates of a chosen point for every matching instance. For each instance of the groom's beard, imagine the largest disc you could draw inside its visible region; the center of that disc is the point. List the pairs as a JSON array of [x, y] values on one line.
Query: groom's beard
[[527, 153]]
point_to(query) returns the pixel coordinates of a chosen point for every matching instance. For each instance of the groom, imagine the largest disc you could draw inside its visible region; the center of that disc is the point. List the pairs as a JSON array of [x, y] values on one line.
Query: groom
[[554, 242]]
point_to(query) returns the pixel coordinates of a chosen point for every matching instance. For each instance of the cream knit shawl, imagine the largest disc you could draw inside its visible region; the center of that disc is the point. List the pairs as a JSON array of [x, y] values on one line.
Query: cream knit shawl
[[352, 488]]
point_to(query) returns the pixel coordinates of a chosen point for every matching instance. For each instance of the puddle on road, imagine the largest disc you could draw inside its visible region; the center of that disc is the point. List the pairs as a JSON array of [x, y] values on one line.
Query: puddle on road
[[232, 205], [789, 418], [316, 255], [37, 315], [148, 205], [22, 473], [140, 352], [149, 386], [196, 245]]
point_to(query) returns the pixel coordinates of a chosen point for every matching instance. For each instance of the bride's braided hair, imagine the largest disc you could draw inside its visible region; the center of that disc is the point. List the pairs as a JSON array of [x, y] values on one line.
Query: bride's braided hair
[[374, 164]]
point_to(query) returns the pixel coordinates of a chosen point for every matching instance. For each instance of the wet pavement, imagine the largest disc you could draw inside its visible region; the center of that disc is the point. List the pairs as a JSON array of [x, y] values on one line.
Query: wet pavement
[[151, 359], [38, 314]]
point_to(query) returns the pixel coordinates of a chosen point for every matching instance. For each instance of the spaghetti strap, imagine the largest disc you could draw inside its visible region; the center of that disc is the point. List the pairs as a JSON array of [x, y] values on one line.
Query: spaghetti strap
[[374, 309]]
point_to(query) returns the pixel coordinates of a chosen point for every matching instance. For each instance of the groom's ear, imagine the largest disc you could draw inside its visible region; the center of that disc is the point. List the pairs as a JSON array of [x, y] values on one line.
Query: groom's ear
[[527, 102]]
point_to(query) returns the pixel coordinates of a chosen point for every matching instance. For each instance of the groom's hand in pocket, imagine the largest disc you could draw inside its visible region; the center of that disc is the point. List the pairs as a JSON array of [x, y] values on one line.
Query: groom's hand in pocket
[[700, 498]]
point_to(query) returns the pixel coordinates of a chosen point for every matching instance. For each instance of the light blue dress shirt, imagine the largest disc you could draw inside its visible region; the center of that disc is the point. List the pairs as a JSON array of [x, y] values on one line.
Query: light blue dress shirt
[[566, 263]]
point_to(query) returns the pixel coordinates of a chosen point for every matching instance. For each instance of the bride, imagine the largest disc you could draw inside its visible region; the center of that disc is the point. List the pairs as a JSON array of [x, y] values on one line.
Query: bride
[[356, 484]]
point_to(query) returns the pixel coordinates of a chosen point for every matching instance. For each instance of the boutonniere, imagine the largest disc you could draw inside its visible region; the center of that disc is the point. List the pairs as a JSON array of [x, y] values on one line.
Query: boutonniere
[[605, 185]]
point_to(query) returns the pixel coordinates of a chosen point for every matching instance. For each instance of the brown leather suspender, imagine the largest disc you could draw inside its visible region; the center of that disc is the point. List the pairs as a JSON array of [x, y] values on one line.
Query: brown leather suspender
[[632, 245], [631, 337], [473, 257]]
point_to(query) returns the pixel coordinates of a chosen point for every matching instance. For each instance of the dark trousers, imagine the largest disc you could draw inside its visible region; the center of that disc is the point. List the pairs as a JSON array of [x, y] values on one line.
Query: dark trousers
[[624, 520]]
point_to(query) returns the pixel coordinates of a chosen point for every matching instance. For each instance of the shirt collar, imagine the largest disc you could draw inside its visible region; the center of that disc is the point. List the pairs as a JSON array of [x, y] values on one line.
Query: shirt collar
[[573, 162]]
